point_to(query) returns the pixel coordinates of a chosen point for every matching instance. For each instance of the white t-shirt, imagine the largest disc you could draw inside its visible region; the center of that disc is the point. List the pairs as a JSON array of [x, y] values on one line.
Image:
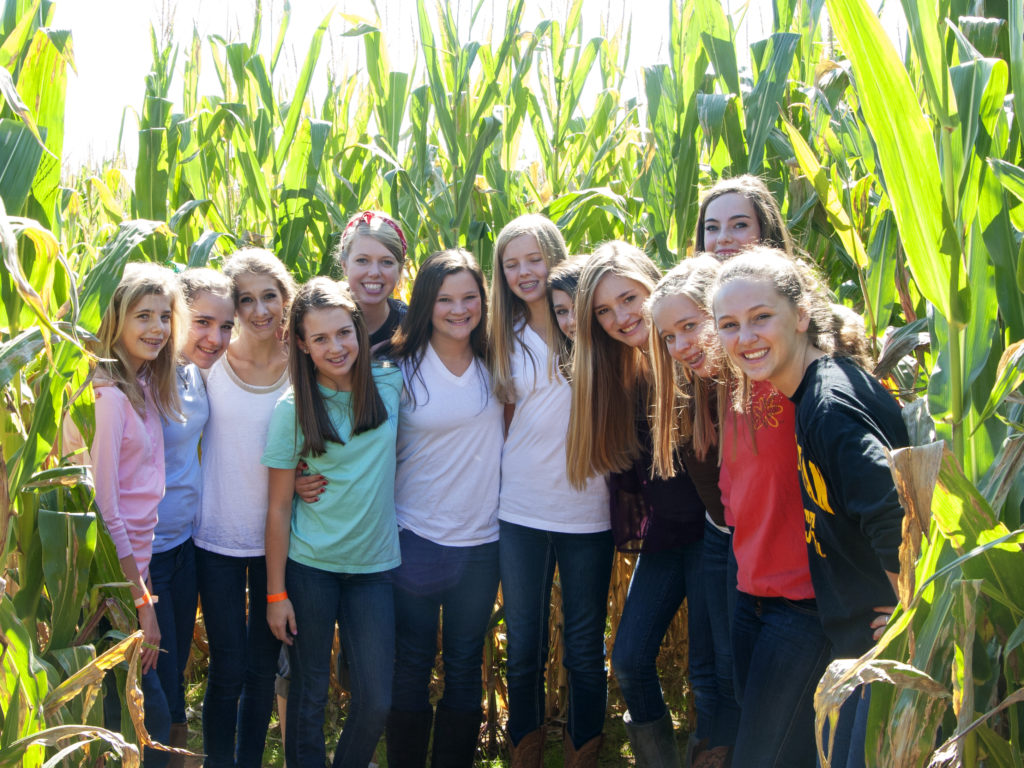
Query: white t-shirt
[[449, 454], [535, 490], [233, 515]]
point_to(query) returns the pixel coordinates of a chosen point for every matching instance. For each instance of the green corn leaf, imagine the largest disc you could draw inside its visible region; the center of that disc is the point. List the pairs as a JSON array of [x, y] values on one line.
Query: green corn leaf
[[199, 253], [1015, 16], [291, 122], [20, 154], [68, 543], [9, 91], [908, 159], [18, 352], [762, 106], [1010, 377], [923, 25]]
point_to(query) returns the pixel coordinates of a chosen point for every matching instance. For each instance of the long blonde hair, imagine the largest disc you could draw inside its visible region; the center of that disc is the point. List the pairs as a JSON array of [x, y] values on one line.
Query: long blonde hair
[[606, 373], [507, 311], [685, 405], [139, 280]]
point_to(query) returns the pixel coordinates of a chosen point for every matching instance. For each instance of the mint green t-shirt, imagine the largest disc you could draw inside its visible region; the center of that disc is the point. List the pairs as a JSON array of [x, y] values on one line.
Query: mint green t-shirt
[[352, 528]]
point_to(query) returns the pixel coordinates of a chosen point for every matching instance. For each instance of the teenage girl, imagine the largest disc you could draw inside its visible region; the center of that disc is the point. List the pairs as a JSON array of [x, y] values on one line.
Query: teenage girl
[[543, 520], [609, 433], [687, 393], [372, 253], [450, 433], [136, 389], [329, 563], [739, 212], [173, 568], [779, 649], [776, 325], [242, 387]]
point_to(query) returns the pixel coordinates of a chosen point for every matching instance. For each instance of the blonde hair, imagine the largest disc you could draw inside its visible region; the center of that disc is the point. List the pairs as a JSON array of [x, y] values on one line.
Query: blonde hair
[[507, 311], [794, 280], [259, 261], [685, 405], [609, 377], [140, 280]]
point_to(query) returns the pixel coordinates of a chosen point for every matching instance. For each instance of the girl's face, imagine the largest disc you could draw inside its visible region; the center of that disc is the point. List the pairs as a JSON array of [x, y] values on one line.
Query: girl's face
[[260, 305], [565, 312], [761, 332], [372, 271], [146, 330], [209, 333], [457, 308], [685, 329], [525, 270], [618, 308], [730, 224], [332, 343]]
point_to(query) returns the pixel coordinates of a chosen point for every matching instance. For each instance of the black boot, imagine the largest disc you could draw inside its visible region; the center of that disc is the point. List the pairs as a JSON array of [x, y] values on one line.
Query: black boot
[[406, 736], [455, 737]]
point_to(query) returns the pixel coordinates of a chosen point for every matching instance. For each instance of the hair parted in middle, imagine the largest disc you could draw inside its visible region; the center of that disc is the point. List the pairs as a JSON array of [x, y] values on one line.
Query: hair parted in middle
[[259, 261], [610, 378], [774, 232], [685, 405], [411, 338], [311, 415], [507, 311], [377, 226]]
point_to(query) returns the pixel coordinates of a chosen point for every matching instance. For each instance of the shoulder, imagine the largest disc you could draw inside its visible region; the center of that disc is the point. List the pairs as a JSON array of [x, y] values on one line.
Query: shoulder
[[387, 374], [398, 307]]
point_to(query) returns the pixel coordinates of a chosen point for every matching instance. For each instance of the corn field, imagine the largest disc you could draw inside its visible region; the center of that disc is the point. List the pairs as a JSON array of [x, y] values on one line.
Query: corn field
[[900, 175]]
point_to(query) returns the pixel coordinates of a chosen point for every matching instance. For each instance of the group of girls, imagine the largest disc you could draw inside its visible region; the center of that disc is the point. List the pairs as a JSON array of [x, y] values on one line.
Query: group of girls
[[585, 404]]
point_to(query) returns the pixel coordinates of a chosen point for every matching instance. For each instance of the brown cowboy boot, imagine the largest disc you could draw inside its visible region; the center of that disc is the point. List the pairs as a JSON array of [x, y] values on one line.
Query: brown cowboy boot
[[529, 752], [585, 756]]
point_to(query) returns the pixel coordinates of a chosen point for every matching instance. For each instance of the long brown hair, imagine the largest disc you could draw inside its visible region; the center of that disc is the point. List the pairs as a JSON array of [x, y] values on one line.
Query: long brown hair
[[138, 280], [507, 310], [311, 415], [606, 373], [565, 278], [774, 232], [410, 340], [685, 405]]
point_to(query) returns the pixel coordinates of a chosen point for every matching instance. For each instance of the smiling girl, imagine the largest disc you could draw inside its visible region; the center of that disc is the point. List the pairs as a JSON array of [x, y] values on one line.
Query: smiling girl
[[242, 387], [135, 389], [372, 252], [208, 296], [777, 326], [446, 498], [609, 433], [737, 213], [543, 520], [329, 563]]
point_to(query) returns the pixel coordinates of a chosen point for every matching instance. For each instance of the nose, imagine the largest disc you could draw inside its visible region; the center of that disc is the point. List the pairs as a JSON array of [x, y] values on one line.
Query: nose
[[571, 323], [374, 267], [679, 345], [746, 334], [621, 314]]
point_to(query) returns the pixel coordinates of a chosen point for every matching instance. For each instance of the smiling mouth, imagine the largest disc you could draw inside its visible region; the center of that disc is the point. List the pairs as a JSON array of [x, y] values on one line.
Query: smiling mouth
[[754, 356], [261, 324], [529, 285], [373, 287], [156, 343], [337, 362], [626, 330], [207, 350], [696, 361]]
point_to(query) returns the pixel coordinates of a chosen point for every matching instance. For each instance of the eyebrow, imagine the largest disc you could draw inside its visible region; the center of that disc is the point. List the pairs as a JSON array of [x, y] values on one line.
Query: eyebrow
[[730, 218]]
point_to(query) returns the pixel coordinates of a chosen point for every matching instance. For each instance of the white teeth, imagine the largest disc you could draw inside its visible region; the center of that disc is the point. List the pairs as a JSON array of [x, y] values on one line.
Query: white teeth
[[755, 355], [373, 286], [529, 285]]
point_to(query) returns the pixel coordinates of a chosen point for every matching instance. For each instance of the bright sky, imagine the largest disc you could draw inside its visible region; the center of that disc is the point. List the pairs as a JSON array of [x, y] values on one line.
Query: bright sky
[[112, 65]]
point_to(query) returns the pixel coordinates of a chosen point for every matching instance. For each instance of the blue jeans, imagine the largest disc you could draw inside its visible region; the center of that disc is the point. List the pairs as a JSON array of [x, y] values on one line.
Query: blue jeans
[[527, 560], [243, 659], [461, 583], [362, 606], [719, 589], [660, 583], [174, 582], [780, 653]]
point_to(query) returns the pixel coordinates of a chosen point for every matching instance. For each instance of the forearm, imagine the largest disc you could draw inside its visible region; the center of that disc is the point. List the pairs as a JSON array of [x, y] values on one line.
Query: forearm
[[131, 573], [278, 527]]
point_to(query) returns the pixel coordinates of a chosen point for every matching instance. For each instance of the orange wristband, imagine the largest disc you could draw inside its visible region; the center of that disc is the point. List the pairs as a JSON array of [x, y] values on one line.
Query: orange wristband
[[141, 601], [277, 597]]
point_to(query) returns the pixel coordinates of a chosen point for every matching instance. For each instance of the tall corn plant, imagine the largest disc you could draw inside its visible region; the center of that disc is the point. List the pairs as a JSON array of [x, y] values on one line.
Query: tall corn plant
[[953, 654]]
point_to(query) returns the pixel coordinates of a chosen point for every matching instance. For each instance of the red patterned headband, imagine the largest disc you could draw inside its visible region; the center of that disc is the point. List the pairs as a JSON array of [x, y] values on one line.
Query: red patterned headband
[[367, 216]]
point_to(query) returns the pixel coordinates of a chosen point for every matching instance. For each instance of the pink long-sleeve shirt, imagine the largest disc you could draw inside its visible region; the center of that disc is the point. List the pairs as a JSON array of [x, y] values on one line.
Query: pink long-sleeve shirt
[[128, 471]]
